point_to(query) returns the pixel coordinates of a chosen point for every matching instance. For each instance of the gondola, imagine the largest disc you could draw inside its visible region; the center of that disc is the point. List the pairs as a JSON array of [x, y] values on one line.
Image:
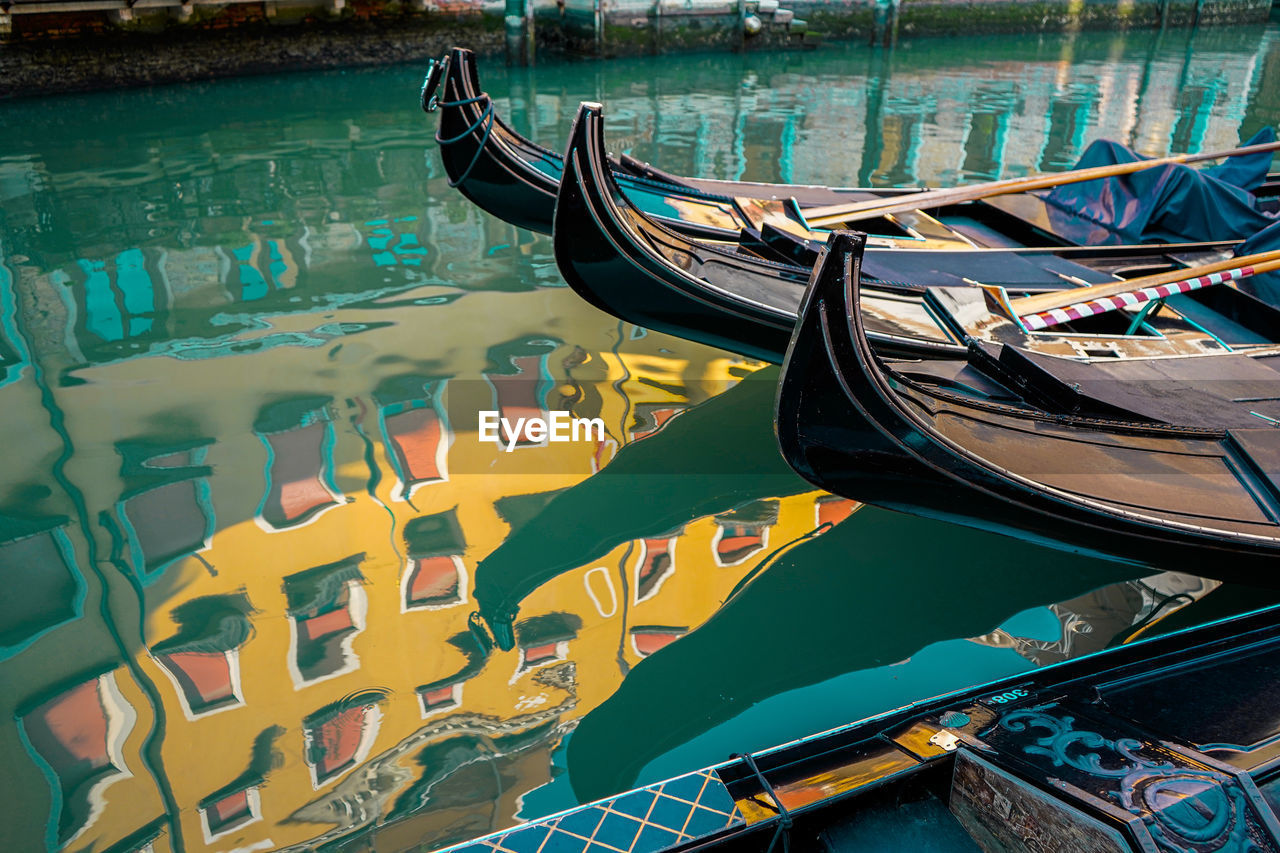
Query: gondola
[[516, 179], [632, 266], [1171, 462], [1167, 743], [876, 589]]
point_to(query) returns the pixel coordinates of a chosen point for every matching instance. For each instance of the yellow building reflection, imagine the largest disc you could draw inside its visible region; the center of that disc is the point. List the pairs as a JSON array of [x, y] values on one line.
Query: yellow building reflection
[[311, 662]]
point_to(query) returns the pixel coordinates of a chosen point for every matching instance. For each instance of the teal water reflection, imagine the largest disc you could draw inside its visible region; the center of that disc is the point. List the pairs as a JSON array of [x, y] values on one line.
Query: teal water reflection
[[246, 520]]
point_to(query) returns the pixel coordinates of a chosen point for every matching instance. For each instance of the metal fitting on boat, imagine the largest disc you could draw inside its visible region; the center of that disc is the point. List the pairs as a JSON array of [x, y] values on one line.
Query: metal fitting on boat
[[946, 740]]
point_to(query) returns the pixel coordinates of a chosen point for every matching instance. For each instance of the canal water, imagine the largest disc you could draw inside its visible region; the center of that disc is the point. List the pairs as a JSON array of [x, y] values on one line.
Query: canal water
[[265, 588]]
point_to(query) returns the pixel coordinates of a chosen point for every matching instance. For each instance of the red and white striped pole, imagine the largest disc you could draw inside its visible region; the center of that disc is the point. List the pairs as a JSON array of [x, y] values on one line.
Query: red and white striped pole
[[1079, 310]]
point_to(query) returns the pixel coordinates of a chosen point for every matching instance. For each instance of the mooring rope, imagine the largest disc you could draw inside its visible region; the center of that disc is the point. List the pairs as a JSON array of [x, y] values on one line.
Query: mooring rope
[[784, 816], [486, 120]]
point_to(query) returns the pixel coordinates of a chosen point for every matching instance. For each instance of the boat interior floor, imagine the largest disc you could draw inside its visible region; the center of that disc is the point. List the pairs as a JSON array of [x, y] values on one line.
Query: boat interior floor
[[916, 819]]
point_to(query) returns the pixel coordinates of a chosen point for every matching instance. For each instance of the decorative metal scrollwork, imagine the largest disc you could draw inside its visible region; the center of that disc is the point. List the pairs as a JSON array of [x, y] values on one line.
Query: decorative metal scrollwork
[[1185, 807], [435, 73], [1063, 745]]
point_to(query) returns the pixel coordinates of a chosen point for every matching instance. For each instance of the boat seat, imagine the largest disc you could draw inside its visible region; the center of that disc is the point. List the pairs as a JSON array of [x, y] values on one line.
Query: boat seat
[[785, 245], [1213, 391]]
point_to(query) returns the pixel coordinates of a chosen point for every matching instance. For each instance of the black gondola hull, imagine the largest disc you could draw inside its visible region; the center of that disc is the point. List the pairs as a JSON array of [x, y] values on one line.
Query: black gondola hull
[[1170, 739], [516, 180], [638, 270], [845, 426], [486, 161]]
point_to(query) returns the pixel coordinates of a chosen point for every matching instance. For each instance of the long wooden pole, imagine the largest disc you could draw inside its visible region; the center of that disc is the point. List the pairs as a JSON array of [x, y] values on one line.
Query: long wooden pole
[[834, 214], [1041, 302]]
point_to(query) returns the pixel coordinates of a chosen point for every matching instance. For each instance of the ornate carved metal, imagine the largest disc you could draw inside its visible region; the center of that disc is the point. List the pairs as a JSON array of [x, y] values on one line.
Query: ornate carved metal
[[1186, 804]]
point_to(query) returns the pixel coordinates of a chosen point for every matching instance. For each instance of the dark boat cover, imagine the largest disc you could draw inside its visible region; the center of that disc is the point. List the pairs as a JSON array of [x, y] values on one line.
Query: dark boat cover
[[1267, 285], [1173, 202]]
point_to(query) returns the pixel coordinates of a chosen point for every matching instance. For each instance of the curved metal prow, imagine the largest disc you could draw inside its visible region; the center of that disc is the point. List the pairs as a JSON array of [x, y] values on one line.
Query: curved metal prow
[[436, 72], [843, 269]]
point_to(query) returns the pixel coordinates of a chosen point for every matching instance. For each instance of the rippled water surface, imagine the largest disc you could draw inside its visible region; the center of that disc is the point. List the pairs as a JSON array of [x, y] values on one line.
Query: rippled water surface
[[265, 588]]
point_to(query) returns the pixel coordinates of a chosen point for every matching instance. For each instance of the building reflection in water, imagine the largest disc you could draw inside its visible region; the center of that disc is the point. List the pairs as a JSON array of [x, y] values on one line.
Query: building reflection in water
[[299, 436], [415, 429], [1094, 621], [363, 692], [268, 590]]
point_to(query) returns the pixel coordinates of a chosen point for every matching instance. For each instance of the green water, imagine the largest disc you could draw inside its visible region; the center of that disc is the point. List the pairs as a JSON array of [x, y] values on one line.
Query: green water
[[246, 329]]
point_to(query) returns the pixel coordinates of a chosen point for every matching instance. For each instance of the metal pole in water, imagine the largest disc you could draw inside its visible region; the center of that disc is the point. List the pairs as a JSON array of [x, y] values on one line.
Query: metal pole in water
[[599, 24], [884, 22], [518, 18]]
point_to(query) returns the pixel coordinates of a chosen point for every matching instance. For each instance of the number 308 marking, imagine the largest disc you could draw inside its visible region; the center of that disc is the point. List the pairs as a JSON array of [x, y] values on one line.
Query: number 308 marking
[[1007, 696]]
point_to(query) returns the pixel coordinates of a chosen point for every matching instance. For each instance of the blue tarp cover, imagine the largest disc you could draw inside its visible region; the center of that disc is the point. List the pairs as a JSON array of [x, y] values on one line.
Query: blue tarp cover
[[1266, 286], [1166, 203]]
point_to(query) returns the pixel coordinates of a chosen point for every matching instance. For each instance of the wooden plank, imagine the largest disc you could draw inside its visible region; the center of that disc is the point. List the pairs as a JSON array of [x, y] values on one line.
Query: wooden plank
[[1005, 815]]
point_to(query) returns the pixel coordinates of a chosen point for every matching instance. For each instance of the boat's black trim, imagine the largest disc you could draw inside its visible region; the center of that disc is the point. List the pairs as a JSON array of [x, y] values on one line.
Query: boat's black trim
[[602, 255], [485, 159]]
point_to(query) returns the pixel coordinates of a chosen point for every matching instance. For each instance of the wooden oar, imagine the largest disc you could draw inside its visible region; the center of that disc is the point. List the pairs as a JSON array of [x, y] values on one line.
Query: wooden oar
[[821, 217], [1048, 309]]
